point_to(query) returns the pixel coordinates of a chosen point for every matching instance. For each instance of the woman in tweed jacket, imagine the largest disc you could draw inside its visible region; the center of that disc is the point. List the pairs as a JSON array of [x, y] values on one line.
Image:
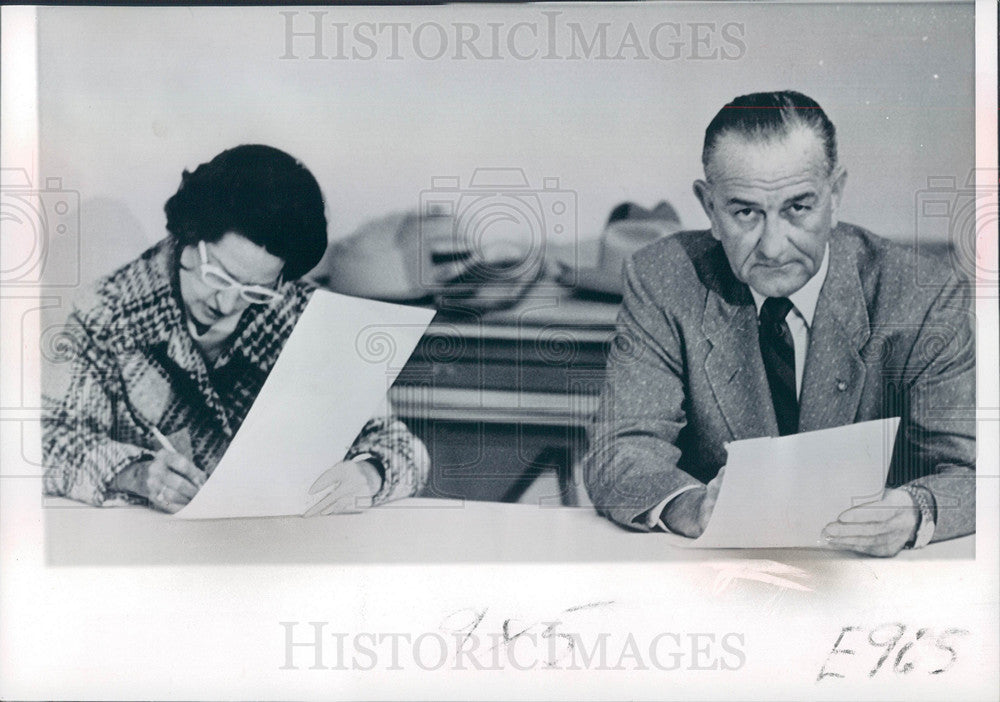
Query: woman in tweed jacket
[[180, 342]]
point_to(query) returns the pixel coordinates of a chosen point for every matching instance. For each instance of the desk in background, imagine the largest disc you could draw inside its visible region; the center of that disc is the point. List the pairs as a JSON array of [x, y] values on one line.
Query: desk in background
[[503, 396]]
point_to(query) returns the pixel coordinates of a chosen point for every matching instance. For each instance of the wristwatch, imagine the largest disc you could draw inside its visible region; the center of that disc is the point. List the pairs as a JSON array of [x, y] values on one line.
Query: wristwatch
[[924, 500]]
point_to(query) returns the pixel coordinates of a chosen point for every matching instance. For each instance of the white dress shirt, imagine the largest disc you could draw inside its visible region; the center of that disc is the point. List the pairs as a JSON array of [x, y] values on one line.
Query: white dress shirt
[[800, 318], [799, 321]]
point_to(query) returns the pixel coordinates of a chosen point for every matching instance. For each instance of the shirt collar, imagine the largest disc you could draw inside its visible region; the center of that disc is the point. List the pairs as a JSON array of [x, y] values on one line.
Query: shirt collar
[[806, 297]]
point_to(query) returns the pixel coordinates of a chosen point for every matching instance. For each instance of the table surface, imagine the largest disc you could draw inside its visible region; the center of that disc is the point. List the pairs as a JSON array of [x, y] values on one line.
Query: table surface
[[414, 530]]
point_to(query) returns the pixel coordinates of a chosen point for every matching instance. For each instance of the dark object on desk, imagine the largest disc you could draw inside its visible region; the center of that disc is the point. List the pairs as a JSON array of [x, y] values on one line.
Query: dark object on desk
[[486, 286], [432, 258], [629, 228]]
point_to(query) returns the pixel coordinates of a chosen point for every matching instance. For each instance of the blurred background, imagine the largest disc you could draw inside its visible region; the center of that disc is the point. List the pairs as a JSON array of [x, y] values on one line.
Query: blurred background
[[129, 97]]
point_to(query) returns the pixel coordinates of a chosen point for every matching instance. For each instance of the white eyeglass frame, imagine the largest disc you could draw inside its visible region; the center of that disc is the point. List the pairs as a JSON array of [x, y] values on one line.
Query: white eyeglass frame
[[269, 295]]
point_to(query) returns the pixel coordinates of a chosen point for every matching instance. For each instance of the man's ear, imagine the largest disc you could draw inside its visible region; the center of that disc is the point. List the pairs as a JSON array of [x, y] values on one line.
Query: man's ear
[[836, 193], [703, 191]]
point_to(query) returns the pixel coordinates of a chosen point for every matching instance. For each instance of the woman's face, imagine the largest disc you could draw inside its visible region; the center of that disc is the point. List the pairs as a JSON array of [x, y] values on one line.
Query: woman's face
[[240, 259]]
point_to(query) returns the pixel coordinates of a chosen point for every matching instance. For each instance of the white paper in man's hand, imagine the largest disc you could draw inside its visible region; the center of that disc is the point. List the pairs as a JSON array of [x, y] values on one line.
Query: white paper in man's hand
[[332, 375], [781, 491]]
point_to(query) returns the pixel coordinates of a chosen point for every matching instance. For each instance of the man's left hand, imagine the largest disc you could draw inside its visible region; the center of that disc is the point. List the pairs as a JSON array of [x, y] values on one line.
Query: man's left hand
[[879, 528], [346, 488]]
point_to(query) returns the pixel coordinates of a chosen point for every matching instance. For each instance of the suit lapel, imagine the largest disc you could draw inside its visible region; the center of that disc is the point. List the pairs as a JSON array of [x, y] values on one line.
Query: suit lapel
[[834, 372], [734, 366]]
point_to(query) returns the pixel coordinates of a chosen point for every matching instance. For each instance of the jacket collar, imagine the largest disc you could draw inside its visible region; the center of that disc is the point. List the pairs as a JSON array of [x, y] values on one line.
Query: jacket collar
[[149, 308], [733, 364], [151, 316], [834, 371], [159, 318]]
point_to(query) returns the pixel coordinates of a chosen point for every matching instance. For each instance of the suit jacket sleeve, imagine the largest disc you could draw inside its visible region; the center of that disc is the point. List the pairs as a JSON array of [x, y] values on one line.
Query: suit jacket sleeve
[[938, 439], [79, 450], [631, 464]]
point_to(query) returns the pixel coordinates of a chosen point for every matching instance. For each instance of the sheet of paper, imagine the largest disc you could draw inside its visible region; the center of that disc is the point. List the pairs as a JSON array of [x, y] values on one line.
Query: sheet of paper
[[781, 492], [332, 375]]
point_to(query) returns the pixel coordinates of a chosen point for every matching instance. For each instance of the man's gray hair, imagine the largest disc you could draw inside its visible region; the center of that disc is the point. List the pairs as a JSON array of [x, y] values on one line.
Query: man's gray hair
[[762, 116]]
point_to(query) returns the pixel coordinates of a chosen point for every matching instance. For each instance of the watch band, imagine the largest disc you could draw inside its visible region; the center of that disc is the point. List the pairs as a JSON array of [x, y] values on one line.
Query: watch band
[[924, 500]]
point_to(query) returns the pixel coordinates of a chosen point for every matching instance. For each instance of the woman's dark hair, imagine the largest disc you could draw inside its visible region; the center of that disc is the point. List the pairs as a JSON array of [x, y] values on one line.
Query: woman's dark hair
[[259, 192], [762, 116]]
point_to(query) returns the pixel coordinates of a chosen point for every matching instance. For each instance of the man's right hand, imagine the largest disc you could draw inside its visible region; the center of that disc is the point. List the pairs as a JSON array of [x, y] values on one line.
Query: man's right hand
[[688, 513], [169, 481]]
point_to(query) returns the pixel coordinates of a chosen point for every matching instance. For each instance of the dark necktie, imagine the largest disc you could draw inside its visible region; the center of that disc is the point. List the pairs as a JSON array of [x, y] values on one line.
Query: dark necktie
[[778, 352]]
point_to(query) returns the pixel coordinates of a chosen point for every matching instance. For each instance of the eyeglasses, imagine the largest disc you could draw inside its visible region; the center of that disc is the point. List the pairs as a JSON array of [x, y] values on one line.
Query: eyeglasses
[[217, 279]]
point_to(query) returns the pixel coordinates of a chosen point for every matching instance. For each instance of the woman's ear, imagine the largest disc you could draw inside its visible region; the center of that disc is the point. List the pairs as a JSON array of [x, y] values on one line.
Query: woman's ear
[[186, 255]]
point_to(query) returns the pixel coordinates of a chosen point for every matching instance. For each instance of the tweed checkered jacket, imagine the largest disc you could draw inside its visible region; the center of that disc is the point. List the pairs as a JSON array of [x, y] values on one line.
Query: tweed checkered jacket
[[135, 367]]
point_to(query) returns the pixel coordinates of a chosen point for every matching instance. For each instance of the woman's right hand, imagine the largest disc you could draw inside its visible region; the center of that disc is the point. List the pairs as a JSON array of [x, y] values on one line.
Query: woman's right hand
[[169, 481]]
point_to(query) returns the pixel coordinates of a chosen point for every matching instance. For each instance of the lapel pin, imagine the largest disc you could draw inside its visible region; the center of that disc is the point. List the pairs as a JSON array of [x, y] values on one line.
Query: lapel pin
[[841, 385]]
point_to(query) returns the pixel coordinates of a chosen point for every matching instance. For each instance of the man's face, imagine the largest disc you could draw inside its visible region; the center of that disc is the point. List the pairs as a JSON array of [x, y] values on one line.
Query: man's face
[[772, 205], [242, 260]]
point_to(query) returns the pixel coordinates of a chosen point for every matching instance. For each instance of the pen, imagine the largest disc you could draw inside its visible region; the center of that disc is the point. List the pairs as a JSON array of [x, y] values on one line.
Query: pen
[[164, 442]]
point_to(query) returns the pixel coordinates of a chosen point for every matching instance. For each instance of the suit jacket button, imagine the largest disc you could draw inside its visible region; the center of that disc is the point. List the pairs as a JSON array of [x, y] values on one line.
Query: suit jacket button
[[841, 385]]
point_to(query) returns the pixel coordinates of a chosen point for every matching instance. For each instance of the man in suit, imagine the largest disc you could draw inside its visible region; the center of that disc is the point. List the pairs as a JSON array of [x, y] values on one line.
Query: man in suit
[[780, 320]]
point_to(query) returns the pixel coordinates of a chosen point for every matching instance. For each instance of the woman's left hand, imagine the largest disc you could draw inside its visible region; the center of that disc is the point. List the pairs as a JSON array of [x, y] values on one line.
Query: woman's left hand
[[346, 488]]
